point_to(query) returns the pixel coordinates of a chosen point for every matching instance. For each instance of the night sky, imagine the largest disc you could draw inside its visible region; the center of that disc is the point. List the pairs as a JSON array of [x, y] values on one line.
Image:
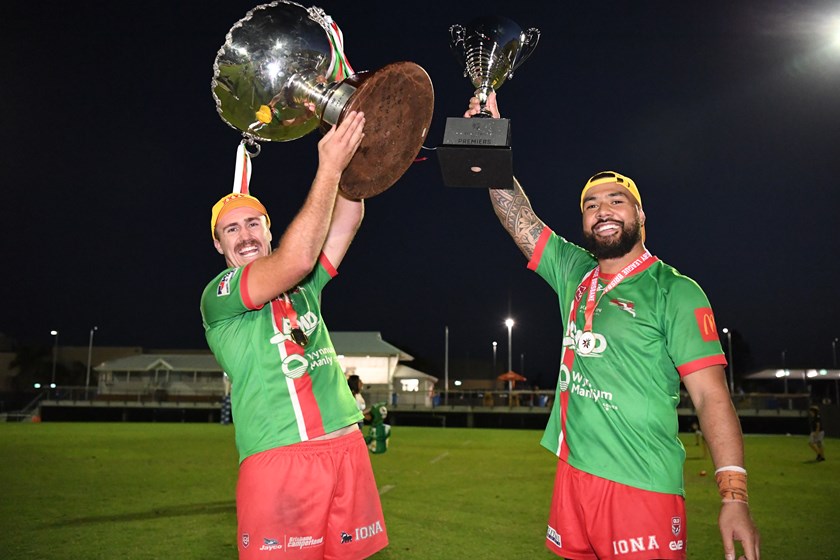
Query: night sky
[[727, 116]]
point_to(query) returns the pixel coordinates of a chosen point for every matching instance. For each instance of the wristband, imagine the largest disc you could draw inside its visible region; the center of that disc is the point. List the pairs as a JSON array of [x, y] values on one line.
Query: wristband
[[732, 484]]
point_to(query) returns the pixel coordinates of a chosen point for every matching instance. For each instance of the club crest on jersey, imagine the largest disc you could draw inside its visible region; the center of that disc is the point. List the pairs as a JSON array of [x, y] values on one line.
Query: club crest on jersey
[[624, 305], [676, 525], [224, 284], [246, 540]]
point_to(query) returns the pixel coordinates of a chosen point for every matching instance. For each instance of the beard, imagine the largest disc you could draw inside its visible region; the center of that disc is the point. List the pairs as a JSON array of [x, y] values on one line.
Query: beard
[[627, 239]]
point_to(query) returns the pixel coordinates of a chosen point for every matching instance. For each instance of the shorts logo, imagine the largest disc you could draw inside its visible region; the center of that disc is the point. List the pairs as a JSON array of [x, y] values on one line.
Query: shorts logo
[[676, 525], [271, 544], [246, 540], [304, 542], [706, 323], [224, 284], [553, 536], [345, 538], [368, 531], [635, 544], [676, 545]]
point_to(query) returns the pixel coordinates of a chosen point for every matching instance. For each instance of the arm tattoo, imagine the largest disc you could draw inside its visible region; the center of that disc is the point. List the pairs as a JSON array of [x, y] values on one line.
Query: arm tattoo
[[516, 215]]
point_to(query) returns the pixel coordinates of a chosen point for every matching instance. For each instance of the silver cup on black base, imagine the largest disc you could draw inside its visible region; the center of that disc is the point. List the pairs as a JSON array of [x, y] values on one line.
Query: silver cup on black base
[[476, 152]]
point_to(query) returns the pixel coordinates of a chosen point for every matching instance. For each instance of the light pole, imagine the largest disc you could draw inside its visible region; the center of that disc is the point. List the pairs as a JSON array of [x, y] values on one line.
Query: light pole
[[494, 356], [728, 334], [90, 353], [834, 365], [55, 353], [509, 325], [446, 364], [784, 369]]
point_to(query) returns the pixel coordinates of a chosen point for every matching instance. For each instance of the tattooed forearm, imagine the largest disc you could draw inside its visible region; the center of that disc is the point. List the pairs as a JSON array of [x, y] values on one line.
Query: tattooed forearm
[[516, 215]]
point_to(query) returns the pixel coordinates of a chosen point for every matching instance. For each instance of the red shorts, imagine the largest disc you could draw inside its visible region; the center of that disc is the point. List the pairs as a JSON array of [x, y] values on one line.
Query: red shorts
[[310, 500], [594, 518]]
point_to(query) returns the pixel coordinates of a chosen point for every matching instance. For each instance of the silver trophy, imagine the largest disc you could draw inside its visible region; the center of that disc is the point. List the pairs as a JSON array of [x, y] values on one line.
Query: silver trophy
[[476, 153], [282, 72]]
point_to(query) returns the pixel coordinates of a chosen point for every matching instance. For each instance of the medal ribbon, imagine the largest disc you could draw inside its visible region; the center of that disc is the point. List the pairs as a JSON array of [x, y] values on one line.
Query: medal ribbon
[[638, 265], [288, 310]]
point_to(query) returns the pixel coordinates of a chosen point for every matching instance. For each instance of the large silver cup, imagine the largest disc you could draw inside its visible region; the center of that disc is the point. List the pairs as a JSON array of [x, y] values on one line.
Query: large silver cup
[[490, 49], [281, 73], [476, 152]]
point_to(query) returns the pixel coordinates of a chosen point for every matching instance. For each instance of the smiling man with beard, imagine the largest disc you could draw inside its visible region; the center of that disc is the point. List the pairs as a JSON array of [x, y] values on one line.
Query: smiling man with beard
[[306, 489], [634, 328]]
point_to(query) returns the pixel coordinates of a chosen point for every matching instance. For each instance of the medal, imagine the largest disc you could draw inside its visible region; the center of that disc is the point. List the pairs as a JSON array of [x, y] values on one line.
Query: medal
[[586, 343], [299, 337]]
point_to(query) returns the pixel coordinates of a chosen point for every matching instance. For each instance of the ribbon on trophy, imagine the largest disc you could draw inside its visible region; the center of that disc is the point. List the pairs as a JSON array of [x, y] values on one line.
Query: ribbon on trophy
[[339, 67], [242, 171]]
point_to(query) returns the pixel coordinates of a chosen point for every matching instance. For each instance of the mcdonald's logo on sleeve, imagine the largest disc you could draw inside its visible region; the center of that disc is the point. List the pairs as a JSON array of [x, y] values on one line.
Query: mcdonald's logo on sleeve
[[706, 323]]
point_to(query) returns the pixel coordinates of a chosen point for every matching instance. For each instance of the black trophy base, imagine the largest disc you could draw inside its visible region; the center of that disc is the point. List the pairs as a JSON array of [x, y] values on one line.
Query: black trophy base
[[476, 153]]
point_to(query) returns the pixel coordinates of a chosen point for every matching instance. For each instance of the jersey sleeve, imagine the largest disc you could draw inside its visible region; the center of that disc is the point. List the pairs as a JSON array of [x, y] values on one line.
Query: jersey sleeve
[[222, 298], [559, 262], [690, 330], [323, 272]]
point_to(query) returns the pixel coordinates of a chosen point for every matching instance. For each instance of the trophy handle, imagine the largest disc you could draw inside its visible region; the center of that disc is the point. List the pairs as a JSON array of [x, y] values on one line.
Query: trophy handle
[[457, 34], [530, 38]]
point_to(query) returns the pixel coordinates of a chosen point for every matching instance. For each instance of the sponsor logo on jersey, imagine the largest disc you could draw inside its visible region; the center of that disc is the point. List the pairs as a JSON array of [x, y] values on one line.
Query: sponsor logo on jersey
[[636, 544], [676, 526], [224, 284], [271, 544], [624, 305], [552, 535], [304, 542], [246, 540], [706, 323]]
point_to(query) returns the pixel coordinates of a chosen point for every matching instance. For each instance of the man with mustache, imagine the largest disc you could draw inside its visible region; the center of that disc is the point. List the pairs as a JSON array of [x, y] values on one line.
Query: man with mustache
[[634, 329], [306, 488]]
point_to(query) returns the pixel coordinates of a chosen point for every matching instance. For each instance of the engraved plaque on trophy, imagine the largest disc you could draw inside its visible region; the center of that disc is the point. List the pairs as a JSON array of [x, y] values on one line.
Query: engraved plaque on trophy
[[476, 152]]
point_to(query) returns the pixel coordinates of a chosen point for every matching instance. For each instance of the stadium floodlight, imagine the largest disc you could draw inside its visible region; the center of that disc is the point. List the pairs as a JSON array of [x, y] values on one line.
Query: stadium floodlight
[[55, 353], [728, 334]]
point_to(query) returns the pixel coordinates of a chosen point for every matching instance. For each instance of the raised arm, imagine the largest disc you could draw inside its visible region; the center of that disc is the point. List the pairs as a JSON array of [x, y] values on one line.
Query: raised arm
[[299, 247], [347, 217], [512, 207], [722, 432], [517, 217]]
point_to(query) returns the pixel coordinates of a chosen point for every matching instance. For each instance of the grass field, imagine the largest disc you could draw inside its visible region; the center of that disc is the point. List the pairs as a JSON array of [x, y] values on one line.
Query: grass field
[[165, 491]]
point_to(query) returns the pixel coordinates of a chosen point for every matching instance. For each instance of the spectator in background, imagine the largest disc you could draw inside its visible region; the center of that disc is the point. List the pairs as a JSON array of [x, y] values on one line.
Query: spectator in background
[[355, 384], [815, 441]]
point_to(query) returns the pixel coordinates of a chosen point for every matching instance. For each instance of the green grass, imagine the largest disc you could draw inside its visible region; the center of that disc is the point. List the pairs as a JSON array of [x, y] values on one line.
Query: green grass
[[161, 491]]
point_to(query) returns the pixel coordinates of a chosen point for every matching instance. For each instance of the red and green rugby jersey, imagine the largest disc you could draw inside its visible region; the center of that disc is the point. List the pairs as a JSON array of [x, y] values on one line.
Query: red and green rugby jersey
[[614, 413], [280, 395]]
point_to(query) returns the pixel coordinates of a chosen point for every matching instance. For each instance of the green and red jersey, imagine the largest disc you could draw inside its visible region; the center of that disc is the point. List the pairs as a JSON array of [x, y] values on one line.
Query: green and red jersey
[[282, 393], [614, 413]]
